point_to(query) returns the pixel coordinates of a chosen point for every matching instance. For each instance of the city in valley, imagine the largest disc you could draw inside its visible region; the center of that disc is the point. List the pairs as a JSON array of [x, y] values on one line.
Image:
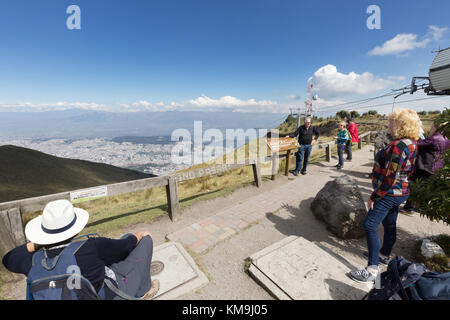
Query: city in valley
[[153, 158]]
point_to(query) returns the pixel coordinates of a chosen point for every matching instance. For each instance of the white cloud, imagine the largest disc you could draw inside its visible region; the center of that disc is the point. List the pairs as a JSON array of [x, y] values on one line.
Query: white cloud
[[294, 97], [397, 78], [402, 43], [329, 83], [57, 106], [228, 102], [436, 33], [202, 103]]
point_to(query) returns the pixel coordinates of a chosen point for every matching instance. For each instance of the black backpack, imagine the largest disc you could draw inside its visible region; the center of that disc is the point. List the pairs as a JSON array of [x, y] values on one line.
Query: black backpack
[[406, 280]]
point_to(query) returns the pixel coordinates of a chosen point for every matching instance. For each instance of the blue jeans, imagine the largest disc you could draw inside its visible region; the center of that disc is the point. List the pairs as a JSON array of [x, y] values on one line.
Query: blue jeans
[[385, 211], [340, 150], [303, 155]]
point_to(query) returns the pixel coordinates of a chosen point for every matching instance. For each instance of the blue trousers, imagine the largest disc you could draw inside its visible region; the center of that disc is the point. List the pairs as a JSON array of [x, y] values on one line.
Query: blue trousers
[[303, 156], [340, 150], [385, 211], [133, 273]]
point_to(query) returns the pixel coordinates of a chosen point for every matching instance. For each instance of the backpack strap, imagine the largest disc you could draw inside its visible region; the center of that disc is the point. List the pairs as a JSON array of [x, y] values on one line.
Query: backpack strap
[[397, 278], [72, 248], [117, 291]]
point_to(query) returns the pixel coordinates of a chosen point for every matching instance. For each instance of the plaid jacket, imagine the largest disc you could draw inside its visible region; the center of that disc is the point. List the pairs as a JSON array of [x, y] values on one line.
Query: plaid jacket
[[393, 165]]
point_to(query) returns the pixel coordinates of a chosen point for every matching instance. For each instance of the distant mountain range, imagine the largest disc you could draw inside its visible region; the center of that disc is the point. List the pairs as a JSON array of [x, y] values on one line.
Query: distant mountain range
[[26, 173], [78, 123]]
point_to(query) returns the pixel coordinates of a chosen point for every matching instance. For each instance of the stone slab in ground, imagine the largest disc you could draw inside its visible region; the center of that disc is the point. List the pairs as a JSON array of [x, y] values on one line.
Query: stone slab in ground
[[297, 269], [180, 274]]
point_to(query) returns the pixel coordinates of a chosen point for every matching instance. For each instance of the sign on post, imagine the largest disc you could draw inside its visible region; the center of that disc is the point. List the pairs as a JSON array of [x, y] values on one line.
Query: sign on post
[[88, 194], [283, 144]]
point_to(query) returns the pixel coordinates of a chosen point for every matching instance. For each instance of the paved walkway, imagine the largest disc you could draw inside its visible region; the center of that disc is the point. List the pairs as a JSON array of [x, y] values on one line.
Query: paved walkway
[[207, 232]]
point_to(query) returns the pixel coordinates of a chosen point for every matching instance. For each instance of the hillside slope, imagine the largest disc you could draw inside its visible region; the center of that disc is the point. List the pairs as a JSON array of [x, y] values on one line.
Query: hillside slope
[[28, 173]]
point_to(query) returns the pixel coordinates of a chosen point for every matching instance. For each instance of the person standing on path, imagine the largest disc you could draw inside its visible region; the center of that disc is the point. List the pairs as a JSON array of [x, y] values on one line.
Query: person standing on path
[[305, 139], [341, 140], [392, 168], [430, 159], [353, 129]]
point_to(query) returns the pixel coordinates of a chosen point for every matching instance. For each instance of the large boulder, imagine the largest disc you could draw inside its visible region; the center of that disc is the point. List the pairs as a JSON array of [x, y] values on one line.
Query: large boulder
[[341, 206], [382, 139]]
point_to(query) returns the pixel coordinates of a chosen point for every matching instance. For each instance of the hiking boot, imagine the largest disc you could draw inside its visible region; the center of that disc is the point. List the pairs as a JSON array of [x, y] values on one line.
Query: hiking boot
[[153, 290], [362, 276], [407, 212], [381, 260]]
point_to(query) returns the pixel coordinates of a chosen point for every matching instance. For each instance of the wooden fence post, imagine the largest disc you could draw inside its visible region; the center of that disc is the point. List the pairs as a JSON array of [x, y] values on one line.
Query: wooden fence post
[[257, 174], [12, 219], [172, 199], [288, 163], [275, 162], [7, 242], [328, 152]]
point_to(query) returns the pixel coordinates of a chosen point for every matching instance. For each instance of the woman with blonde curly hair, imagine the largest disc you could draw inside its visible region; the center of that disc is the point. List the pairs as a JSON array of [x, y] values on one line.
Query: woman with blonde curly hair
[[392, 168]]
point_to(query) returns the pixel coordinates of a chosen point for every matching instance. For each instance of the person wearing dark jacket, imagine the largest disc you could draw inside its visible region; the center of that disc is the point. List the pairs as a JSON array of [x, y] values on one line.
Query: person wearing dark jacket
[[430, 159], [305, 139], [126, 261]]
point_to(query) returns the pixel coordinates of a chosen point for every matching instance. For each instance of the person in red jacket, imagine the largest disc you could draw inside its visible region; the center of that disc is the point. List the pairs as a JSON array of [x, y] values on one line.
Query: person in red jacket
[[353, 129]]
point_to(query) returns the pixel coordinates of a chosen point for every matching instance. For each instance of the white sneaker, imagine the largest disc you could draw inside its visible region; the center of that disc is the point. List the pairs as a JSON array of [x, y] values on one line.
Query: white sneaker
[[363, 276]]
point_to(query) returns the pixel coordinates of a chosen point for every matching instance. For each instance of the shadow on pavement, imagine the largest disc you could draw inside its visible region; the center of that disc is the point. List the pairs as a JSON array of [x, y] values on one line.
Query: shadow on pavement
[[301, 222], [341, 291]]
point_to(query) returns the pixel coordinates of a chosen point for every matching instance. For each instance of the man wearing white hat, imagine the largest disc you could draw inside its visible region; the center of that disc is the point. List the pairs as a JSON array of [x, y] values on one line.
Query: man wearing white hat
[[124, 263]]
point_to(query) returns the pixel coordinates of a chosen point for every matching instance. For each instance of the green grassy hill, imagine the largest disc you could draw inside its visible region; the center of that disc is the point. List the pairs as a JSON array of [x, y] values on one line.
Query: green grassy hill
[[28, 173]]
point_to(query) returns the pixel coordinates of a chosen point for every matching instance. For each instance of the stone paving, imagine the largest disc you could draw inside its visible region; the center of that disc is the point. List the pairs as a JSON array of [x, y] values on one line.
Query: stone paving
[[207, 232]]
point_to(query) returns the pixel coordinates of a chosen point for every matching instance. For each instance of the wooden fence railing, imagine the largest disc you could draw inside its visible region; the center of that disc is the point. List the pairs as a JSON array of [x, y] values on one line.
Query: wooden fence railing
[[11, 212]]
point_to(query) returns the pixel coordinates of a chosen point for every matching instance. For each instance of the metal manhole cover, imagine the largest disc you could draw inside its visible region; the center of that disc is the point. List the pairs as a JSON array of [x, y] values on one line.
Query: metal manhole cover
[[156, 267]]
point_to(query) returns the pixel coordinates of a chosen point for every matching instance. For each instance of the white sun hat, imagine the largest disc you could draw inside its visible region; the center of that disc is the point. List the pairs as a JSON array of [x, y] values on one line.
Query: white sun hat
[[59, 221]]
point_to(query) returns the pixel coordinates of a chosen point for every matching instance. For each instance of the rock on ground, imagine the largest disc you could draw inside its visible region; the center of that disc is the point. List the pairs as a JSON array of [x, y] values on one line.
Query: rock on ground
[[341, 206], [430, 248]]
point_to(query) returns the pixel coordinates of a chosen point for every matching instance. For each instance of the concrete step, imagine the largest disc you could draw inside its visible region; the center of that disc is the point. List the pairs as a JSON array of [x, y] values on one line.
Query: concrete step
[[297, 269]]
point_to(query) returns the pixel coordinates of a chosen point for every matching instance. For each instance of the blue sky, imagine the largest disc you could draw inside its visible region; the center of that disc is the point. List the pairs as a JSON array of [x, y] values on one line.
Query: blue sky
[[246, 55]]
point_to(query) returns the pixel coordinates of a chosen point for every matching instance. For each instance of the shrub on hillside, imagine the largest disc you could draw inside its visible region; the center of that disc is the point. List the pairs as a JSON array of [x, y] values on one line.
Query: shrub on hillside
[[354, 114], [432, 196], [343, 114]]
